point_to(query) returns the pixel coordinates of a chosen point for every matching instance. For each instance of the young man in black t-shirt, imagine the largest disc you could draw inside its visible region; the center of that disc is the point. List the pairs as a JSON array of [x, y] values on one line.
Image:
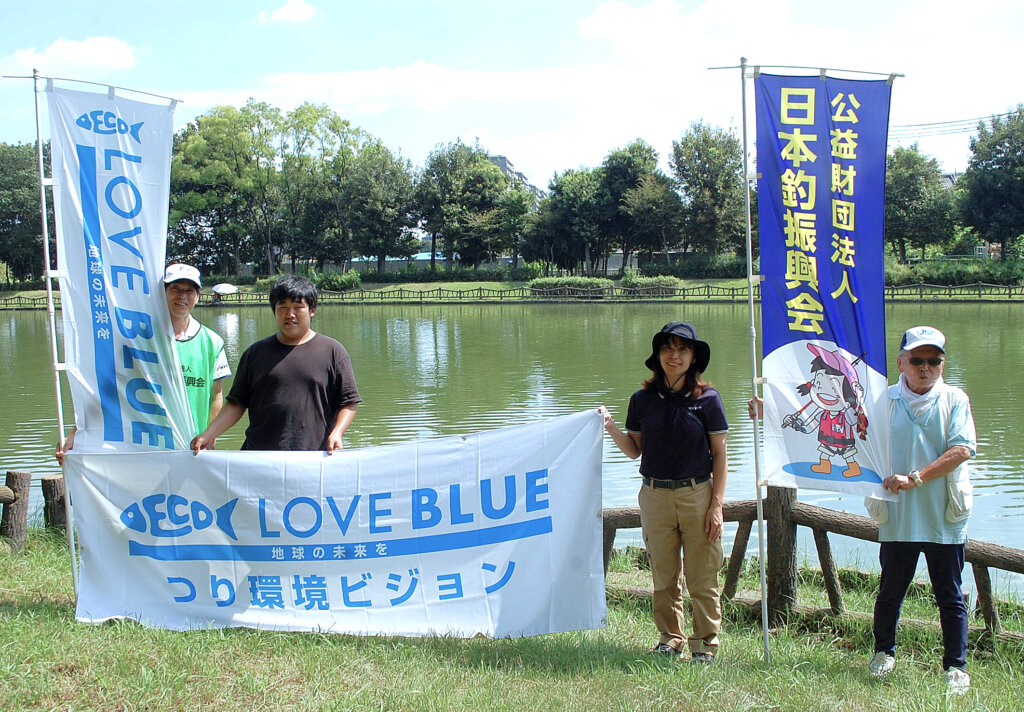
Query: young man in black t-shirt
[[297, 385]]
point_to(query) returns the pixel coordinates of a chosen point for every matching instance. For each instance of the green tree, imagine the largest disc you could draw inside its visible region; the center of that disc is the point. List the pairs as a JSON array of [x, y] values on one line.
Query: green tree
[[305, 148], [707, 165], [261, 124], [919, 207], [993, 186], [567, 225], [331, 214], [622, 171], [439, 191], [381, 191], [21, 237], [474, 233], [514, 207], [656, 212], [207, 225]]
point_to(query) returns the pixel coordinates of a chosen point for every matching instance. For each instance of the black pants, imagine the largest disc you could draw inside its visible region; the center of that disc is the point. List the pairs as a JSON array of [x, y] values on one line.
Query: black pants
[[945, 566]]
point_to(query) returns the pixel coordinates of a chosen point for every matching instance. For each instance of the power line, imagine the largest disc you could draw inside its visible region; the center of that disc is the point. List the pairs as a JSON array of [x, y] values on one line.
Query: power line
[[941, 128]]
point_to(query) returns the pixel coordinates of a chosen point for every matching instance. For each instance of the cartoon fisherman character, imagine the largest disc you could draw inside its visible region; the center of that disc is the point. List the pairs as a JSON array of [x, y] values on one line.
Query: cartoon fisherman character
[[836, 394]]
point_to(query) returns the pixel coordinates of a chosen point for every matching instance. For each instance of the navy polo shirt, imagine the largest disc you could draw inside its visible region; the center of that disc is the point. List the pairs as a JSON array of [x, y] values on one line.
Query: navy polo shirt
[[673, 441]]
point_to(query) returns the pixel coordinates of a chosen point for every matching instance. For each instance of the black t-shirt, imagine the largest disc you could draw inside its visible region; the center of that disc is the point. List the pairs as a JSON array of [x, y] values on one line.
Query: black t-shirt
[[673, 441], [293, 393]]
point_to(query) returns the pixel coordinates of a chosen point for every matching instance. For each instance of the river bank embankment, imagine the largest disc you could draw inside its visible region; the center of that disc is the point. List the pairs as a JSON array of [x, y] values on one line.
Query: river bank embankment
[[713, 291]]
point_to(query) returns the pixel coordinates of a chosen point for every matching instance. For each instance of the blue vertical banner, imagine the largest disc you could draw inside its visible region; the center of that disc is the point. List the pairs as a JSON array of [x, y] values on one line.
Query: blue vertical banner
[[111, 161], [821, 151]]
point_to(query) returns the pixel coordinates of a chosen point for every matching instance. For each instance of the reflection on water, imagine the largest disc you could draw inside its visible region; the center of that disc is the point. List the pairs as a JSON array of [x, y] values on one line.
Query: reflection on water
[[433, 370]]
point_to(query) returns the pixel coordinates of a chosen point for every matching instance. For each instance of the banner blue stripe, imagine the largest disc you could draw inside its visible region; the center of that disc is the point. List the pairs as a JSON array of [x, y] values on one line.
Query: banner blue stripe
[[99, 310], [328, 551]]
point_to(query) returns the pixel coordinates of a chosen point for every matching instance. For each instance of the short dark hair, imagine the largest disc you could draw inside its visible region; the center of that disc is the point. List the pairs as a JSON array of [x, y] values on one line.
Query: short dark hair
[[295, 288]]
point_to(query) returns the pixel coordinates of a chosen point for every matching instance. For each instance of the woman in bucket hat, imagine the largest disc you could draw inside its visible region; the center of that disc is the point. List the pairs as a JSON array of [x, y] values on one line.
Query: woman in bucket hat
[[676, 425]]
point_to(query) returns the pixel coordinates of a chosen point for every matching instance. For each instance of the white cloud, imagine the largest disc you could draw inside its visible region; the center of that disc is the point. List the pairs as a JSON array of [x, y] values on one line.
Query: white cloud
[[654, 81], [543, 119], [64, 55], [291, 11]]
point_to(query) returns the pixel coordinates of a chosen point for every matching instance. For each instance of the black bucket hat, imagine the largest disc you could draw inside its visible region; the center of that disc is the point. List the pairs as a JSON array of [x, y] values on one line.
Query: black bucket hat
[[701, 350]]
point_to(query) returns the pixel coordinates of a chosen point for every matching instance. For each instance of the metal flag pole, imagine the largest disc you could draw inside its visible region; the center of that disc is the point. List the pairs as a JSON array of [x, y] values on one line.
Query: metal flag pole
[[754, 380], [48, 275]]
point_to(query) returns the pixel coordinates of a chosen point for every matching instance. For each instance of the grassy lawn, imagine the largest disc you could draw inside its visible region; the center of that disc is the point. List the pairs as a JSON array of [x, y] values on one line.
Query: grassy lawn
[[49, 662]]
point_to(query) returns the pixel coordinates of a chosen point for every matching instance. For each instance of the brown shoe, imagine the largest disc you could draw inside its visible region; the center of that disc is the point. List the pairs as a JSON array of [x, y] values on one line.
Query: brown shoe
[[823, 468]]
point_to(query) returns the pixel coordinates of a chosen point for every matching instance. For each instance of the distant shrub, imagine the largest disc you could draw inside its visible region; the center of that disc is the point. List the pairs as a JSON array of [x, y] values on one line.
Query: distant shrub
[[948, 272], [523, 273], [263, 284], [1009, 272], [27, 285], [237, 279], [337, 282], [963, 244], [956, 272], [701, 267], [897, 274], [598, 285], [632, 279]]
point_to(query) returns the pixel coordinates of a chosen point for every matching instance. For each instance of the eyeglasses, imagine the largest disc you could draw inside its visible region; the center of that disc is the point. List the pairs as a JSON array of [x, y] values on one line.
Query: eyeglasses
[[933, 361]]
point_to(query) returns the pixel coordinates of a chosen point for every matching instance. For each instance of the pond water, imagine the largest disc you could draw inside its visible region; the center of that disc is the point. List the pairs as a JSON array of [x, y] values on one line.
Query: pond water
[[433, 370]]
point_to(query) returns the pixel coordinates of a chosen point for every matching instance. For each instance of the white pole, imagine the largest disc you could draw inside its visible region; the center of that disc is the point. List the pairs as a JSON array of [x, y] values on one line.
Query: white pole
[[49, 274], [753, 368]]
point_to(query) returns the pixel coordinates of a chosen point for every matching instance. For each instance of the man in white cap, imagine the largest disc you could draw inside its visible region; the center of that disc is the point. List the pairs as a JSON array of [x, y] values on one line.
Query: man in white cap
[[933, 437], [201, 351]]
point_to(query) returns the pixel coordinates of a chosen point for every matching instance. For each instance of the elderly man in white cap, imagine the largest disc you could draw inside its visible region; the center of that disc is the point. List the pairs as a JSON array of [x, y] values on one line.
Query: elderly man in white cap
[[933, 437]]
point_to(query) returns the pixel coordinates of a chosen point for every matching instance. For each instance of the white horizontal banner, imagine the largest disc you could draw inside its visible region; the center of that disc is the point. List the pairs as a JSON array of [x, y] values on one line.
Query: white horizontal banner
[[496, 533]]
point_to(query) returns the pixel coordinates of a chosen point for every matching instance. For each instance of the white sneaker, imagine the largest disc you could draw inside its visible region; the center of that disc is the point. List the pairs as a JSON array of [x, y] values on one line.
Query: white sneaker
[[881, 664], [957, 680]]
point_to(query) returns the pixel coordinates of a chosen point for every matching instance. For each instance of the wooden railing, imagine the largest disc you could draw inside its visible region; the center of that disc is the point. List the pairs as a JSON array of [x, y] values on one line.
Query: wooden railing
[[703, 292], [783, 513], [706, 292], [14, 506]]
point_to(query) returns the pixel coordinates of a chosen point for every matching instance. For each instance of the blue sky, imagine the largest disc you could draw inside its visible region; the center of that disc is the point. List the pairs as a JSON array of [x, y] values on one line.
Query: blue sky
[[553, 84]]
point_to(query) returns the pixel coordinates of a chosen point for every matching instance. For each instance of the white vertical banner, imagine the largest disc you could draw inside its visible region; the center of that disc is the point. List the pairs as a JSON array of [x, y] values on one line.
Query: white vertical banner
[[111, 175], [496, 533]]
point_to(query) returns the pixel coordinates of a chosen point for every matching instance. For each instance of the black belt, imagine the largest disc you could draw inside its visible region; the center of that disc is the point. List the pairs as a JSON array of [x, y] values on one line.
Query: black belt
[[675, 484]]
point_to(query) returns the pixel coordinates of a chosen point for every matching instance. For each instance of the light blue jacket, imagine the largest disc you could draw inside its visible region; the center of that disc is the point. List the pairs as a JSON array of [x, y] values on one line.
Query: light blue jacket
[[925, 513]]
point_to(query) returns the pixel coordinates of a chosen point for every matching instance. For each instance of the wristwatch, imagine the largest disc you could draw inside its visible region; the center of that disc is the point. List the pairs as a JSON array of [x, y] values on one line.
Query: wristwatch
[[915, 477]]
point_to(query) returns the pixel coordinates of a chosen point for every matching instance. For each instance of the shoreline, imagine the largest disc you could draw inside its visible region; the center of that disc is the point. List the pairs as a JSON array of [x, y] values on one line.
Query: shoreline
[[706, 293]]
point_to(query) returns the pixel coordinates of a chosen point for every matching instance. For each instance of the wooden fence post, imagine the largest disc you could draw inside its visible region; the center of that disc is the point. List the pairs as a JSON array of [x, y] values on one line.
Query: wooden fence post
[[739, 551], [14, 523], [781, 564], [829, 573], [986, 599], [55, 515], [608, 541]]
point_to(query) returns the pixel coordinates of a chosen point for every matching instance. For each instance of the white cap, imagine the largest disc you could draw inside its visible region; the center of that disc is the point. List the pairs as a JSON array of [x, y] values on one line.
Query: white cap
[[923, 336], [175, 272]]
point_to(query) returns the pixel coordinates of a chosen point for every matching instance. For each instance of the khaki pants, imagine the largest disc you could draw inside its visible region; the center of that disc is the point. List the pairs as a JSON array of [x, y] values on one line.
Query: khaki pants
[[672, 519]]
